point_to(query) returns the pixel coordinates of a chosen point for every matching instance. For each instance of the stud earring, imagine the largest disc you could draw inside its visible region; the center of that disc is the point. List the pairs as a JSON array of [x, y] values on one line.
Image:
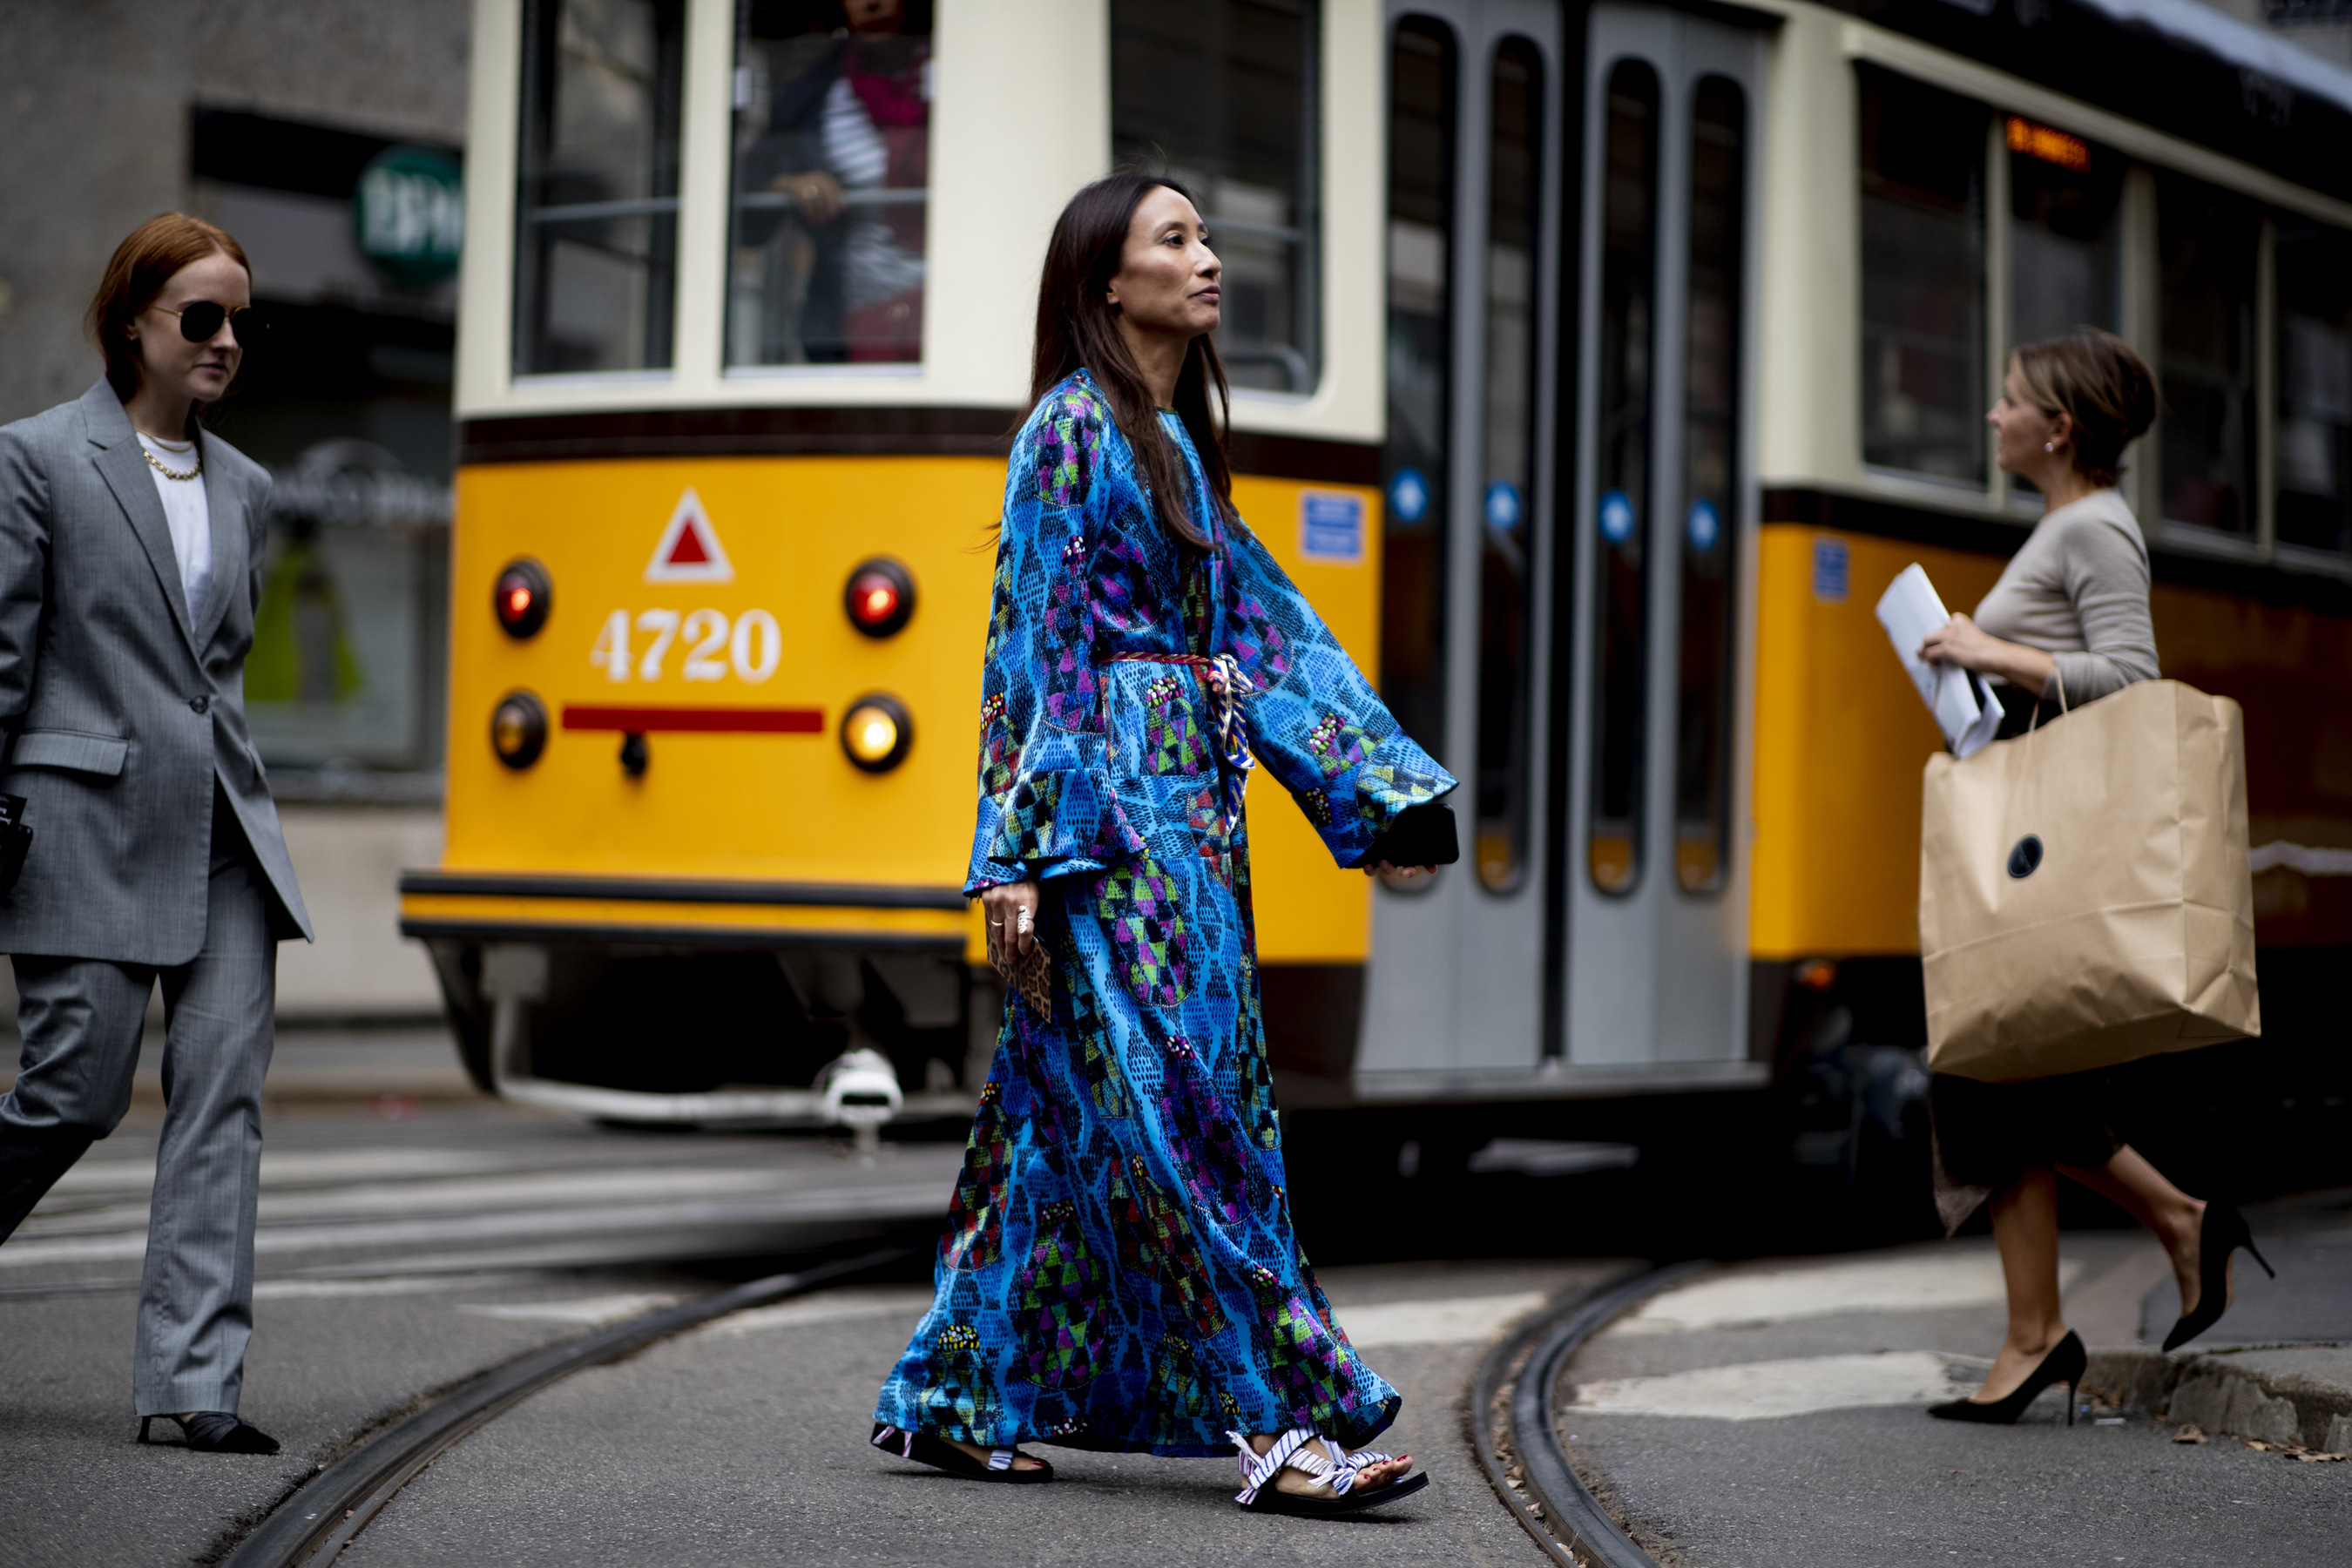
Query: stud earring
[[2049, 446]]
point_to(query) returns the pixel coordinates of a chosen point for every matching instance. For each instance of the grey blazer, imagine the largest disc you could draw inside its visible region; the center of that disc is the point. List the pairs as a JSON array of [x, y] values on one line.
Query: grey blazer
[[123, 705]]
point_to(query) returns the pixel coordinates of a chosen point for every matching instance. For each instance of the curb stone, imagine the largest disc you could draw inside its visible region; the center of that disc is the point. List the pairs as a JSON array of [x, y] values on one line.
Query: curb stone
[[2295, 1394]]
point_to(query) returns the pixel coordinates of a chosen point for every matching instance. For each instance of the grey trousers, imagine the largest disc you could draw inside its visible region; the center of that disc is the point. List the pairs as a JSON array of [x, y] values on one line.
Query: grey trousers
[[82, 1020]]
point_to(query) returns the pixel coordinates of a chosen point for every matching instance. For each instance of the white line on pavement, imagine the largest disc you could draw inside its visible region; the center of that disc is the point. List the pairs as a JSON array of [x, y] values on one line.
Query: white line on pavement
[[590, 1312], [1766, 1390], [1464, 1319], [294, 1167], [907, 1302], [553, 1188], [329, 1289], [1914, 1282], [909, 1202]]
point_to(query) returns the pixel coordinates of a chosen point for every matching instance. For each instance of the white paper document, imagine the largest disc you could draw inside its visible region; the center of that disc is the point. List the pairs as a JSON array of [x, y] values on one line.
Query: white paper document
[[1964, 706]]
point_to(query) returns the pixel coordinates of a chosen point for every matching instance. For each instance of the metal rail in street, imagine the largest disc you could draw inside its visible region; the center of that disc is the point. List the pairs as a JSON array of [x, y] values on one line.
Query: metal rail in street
[[1549, 1500], [310, 1528]]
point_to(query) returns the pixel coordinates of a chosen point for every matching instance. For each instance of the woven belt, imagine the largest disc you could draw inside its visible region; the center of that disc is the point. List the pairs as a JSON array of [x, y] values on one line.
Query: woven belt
[[1227, 686]]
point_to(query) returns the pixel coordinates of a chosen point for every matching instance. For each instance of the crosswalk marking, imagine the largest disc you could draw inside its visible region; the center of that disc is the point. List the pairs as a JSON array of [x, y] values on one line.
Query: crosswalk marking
[[1768, 1390], [909, 1201], [1467, 1318], [1910, 1281]]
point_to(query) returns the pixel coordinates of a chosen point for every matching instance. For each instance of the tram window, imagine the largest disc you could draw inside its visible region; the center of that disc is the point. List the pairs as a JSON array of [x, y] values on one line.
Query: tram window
[[1506, 488], [2314, 386], [1422, 65], [1710, 467], [1923, 280], [1629, 267], [2065, 259], [596, 253], [832, 168], [1221, 94], [2208, 244]]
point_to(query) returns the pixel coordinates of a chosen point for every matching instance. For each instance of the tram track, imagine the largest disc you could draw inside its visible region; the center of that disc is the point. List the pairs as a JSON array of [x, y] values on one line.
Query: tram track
[[1519, 1444], [313, 1525]]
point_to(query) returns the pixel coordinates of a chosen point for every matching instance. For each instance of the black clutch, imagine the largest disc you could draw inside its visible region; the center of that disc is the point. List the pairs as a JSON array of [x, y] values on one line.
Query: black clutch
[[1421, 836], [16, 838]]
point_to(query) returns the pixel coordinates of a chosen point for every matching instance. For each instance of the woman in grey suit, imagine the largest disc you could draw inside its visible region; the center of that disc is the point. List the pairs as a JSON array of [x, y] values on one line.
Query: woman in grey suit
[[130, 556]]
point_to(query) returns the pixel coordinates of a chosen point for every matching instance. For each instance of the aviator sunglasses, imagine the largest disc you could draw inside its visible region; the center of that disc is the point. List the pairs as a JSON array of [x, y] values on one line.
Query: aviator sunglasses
[[201, 318]]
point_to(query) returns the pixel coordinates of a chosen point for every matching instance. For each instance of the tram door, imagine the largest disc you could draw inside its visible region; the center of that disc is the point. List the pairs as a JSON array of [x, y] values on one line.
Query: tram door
[[1481, 496], [1656, 805], [1475, 120]]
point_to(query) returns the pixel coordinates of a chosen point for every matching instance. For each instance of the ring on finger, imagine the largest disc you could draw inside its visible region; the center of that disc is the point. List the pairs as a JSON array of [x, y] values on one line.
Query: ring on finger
[[1021, 922]]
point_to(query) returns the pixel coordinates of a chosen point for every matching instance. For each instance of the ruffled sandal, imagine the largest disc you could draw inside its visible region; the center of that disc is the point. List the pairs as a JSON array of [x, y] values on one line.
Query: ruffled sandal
[[943, 1456], [1260, 1494]]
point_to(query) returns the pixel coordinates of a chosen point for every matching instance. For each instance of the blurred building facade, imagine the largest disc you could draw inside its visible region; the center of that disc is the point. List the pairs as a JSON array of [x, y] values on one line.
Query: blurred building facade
[[262, 116], [268, 116]]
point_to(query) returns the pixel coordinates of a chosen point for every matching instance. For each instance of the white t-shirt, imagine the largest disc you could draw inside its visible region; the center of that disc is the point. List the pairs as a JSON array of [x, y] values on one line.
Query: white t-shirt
[[186, 508]]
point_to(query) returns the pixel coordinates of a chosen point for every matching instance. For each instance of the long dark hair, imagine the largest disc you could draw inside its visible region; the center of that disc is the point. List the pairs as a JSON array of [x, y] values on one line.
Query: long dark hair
[[1077, 327]]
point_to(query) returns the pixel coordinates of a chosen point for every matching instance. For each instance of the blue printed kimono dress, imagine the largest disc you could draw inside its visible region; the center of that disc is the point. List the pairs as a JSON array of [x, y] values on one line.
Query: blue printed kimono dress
[[1118, 1270]]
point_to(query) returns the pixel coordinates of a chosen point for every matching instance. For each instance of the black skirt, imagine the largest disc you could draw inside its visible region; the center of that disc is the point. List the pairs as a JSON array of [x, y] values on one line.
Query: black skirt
[[1988, 1134]]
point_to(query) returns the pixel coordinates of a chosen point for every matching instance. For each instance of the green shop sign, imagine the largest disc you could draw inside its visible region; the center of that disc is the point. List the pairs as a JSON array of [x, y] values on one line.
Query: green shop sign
[[408, 214]]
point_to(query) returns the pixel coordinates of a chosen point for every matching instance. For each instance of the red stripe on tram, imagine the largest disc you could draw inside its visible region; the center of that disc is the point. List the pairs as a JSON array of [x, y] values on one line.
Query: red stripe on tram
[[727, 721]]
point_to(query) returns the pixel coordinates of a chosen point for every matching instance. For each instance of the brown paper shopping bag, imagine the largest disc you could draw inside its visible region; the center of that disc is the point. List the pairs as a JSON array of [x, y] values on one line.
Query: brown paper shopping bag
[[2083, 894]]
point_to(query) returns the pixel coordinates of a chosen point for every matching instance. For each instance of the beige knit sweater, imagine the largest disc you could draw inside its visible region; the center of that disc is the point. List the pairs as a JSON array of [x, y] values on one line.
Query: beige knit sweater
[[2078, 591]]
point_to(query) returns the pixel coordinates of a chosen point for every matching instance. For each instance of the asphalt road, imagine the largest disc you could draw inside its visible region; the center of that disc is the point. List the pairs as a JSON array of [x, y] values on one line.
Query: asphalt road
[[745, 1443], [409, 1240], [413, 1234], [405, 1243]]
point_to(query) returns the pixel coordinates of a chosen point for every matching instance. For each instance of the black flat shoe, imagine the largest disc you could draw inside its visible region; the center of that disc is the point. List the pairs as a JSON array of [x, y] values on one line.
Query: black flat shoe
[[2223, 1231], [940, 1455], [216, 1432], [2066, 1362]]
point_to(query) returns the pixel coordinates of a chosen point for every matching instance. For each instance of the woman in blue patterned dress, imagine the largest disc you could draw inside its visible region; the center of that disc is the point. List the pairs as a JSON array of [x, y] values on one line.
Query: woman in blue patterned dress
[[1118, 1270]]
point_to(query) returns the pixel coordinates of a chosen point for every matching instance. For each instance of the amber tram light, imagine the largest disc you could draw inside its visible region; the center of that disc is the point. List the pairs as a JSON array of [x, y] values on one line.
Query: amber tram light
[[522, 597], [876, 732], [879, 596], [518, 729]]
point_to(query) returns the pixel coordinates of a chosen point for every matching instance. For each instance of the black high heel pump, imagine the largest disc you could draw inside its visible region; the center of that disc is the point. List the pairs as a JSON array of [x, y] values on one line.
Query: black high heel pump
[[2223, 1231], [2066, 1362]]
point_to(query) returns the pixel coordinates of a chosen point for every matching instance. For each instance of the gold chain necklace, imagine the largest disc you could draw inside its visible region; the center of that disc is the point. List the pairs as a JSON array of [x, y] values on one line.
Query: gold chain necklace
[[173, 473]]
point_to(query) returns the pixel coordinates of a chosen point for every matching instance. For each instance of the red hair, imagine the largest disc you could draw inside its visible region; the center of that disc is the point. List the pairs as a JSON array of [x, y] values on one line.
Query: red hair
[[142, 264]]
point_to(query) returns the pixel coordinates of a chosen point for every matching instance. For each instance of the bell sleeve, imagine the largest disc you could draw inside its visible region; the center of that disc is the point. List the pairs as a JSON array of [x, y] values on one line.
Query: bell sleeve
[[1313, 722], [1046, 806]]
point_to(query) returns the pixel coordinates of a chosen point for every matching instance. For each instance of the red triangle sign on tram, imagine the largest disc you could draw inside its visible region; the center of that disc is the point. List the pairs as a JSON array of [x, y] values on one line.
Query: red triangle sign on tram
[[689, 551]]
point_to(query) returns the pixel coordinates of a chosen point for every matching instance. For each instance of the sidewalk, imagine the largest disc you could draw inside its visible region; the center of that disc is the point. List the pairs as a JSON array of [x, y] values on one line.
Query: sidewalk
[[1771, 1413]]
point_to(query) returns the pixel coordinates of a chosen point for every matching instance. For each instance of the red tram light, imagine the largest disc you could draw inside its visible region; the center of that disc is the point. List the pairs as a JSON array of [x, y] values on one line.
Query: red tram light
[[522, 597], [879, 597]]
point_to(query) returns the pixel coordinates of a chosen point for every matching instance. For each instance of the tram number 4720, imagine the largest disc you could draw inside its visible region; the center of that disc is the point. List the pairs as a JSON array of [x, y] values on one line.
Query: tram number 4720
[[749, 649]]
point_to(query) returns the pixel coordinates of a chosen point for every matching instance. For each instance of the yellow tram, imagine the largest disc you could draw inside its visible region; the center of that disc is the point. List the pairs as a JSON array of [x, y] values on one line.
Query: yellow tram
[[1598, 365]]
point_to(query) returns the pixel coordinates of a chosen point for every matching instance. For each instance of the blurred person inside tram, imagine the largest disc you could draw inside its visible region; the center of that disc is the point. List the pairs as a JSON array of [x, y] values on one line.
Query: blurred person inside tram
[[131, 548], [1119, 1271], [2067, 624], [848, 126]]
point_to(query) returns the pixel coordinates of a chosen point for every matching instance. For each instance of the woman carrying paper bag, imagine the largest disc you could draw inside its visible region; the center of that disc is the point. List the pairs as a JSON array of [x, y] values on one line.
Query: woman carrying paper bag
[[2067, 624]]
